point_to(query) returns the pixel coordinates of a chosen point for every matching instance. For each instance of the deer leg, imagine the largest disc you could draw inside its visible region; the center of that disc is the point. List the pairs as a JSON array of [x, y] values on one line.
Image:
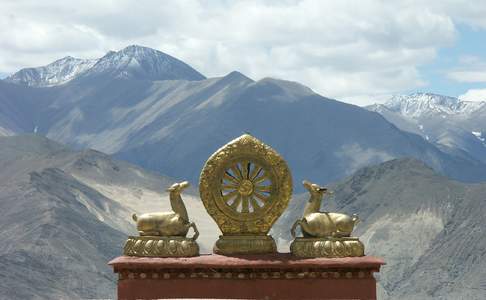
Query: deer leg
[[292, 230], [196, 232]]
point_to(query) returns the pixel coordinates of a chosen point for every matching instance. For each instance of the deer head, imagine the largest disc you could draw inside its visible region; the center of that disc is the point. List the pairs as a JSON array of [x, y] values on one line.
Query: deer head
[[178, 187], [314, 189], [316, 194]]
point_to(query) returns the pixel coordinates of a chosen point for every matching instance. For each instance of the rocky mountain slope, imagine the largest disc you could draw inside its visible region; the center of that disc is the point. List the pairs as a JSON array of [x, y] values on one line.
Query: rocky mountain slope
[[172, 126], [71, 209], [58, 72], [131, 62], [429, 229], [455, 126], [142, 63], [426, 104], [65, 214]]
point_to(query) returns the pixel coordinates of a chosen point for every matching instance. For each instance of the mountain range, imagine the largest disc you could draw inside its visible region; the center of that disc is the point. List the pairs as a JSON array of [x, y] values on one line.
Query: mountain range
[[65, 214], [148, 108], [428, 228], [454, 126], [410, 168], [133, 62], [58, 72]]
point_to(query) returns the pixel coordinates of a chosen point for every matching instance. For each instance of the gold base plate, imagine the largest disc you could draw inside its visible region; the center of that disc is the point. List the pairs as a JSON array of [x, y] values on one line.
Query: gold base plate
[[244, 244], [160, 246], [327, 247]]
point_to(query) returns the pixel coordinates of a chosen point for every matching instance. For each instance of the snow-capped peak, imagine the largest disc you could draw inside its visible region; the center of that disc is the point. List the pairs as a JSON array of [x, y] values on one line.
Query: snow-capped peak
[[144, 63], [56, 73], [135, 62], [421, 104]]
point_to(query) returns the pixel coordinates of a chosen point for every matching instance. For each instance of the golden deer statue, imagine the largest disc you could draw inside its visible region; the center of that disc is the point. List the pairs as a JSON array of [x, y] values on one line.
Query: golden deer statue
[[317, 224], [174, 223]]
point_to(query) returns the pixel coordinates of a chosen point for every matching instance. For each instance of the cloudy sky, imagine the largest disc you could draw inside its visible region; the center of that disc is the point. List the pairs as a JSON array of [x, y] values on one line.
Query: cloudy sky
[[355, 51]]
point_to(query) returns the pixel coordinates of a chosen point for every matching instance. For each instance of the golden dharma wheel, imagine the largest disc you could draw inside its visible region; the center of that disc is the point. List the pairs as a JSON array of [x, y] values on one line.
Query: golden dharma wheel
[[245, 186]]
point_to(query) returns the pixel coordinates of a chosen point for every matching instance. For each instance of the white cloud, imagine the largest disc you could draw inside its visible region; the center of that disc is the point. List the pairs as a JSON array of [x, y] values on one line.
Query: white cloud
[[474, 95], [468, 76], [467, 12], [366, 99], [358, 157], [470, 69], [341, 49]]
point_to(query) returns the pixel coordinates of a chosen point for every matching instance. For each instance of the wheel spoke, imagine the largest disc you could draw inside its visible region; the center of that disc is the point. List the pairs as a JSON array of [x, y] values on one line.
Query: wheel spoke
[[244, 169], [241, 197], [245, 205], [255, 172], [261, 178], [230, 177], [237, 202], [236, 172], [263, 188], [229, 187], [254, 204], [230, 196], [260, 196]]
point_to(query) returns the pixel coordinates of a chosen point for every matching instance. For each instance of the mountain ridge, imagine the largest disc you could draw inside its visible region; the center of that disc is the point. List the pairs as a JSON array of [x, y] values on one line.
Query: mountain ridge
[[66, 213], [173, 126], [60, 198], [133, 61], [419, 104], [455, 126], [58, 72], [140, 62], [424, 225]]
